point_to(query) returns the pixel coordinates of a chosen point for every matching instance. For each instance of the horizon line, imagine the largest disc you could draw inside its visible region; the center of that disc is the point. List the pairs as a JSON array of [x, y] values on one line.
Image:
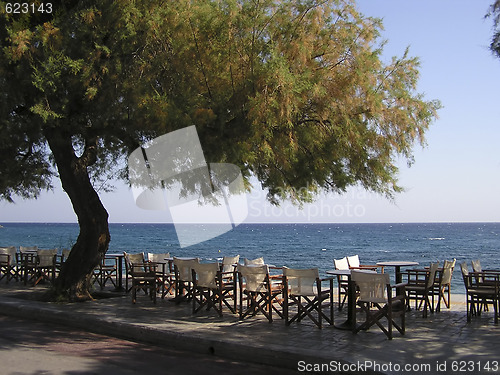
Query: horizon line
[[271, 222]]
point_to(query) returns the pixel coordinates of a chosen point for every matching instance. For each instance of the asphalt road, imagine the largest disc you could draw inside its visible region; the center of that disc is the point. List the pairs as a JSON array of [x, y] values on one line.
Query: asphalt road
[[34, 348]]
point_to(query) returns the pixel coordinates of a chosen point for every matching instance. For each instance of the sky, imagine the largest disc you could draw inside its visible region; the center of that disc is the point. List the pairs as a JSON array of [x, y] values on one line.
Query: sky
[[455, 178]]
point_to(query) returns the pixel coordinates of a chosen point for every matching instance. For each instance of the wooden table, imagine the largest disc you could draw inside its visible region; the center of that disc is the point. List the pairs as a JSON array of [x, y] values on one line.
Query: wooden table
[[119, 257], [397, 264], [350, 323]]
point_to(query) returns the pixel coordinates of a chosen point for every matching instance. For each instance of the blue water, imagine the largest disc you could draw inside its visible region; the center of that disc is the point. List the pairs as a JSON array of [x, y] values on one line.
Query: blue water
[[292, 245]]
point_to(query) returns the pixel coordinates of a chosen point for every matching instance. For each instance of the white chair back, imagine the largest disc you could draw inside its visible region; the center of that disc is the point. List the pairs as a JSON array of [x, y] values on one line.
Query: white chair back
[[353, 261], [447, 271], [432, 274], [228, 263], [133, 259], [46, 257], [341, 264], [301, 282], [257, 261], [476, 266], [11, 252], [254, 277], [184, 267], [372, 286], [159, 258], [206, 274]]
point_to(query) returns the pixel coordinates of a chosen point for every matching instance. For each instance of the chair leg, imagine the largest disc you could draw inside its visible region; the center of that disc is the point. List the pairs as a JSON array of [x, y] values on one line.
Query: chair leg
[[134, 294], [495, 309]]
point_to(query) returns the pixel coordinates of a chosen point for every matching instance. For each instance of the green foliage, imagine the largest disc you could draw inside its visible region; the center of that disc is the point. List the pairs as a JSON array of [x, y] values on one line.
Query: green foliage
[[294, 92], [494, 12]]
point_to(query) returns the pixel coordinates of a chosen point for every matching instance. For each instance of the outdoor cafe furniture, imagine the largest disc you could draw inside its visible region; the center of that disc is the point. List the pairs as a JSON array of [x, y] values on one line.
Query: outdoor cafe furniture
[[26, 263], [354, 263], [275, 272], [304, 295], [229, 284], [420, 286], [184, 278], [350, 322], [130, 259], [256, 261], [444, 287], [8, 263], [144, 277], [207, 287], [397, 264], [229, 264], [106, 271], [259, 292], [164, 273], [45, 265], [476, 267], [342, 280], [120, 259], [482, 288], [377, 299], [35, 265]]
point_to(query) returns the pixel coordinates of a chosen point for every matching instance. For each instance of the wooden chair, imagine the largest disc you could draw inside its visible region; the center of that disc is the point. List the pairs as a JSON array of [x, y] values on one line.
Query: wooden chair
[[8, 263], [144, 277], [26, 263], [260, 294], [303, 292], [481, 288], [45, 266], [130, 259], [106, 271], [378, 299], [229, 285], [184, 279], [166, 276], [342, 281], [444, 287], [420, 286], [207, 287]]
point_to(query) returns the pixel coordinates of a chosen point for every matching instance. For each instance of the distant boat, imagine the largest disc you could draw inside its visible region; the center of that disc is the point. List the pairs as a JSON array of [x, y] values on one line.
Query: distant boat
[[1, 226]]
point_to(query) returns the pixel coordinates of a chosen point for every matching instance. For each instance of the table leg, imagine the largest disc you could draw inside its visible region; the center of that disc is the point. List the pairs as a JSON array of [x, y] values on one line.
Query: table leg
[[399, 277], [119, 276], [350, 323]]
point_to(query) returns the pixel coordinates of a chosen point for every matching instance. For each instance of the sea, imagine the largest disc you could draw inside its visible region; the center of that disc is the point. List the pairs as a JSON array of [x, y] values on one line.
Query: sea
[[292, 245]]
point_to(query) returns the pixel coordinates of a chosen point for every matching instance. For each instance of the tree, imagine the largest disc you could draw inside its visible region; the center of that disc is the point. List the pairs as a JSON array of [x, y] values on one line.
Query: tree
[[495, 40], [295, 93]]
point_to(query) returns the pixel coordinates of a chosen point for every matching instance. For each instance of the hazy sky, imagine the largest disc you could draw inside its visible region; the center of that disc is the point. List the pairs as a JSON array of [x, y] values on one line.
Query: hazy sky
[[455, 178]]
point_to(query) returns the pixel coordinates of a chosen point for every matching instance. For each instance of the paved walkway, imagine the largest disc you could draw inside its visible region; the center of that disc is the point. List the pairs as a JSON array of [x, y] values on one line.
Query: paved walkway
[[437, 344], [29, 347]]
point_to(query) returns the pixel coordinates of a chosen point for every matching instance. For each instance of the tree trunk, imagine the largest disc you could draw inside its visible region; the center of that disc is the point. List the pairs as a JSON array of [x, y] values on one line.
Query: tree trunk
[[75, 278]]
